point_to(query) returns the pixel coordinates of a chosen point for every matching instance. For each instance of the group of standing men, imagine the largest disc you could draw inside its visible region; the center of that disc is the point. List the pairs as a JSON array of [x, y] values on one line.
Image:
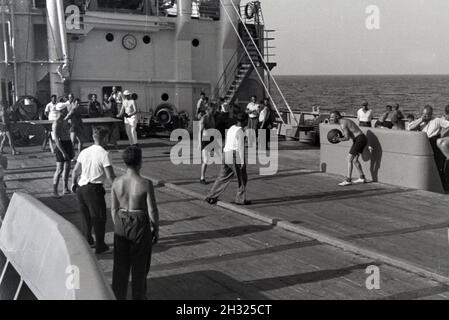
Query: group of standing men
[[255, 117], [134, 209]]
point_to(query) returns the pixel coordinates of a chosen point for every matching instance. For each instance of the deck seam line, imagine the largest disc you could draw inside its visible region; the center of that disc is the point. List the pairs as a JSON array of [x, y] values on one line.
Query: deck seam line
[[312, 234]]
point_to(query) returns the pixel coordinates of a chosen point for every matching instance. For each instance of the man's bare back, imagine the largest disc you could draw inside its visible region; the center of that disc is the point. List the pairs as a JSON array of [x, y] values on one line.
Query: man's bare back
[[350, 129], [134, 193]]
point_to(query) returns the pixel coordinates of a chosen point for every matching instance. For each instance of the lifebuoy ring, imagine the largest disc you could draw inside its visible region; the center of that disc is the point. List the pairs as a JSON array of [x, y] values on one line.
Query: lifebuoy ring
[[164, 116], [250, 10]]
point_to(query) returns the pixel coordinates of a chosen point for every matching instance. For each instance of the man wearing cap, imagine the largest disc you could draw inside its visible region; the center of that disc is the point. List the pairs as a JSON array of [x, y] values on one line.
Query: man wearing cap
[[365, 115], [129, 112], [93, 167], [63, 148]]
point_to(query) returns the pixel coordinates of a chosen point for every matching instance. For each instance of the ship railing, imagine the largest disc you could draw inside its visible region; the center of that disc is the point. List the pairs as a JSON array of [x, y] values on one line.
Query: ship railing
[[230, 72], [266, 73]]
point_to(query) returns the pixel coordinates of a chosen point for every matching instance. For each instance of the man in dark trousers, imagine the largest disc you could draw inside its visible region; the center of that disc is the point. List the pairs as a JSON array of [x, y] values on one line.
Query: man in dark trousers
[[136, 227], [234, 164], [93, 167]]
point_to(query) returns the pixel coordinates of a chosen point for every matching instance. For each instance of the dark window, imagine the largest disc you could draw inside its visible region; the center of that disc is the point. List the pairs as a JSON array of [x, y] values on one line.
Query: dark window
[[146, 39], [195, 42], [110, 37], [165, 97]]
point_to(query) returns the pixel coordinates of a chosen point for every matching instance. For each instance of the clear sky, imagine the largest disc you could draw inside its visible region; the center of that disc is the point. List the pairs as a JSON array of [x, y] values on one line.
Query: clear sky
[[331, 37]]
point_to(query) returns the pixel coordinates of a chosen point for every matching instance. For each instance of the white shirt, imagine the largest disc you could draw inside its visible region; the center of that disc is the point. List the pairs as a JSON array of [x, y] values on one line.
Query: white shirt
[[263, 115], [225, 107], [253, 108], [235, 139], [433, 128], [51, 110], [365, 116], [93, 162]]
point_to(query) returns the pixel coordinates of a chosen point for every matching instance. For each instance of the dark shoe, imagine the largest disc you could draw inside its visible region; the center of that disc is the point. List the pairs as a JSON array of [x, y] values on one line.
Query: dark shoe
[[203, 181], [103, 249], [211, 201], [246, 203]]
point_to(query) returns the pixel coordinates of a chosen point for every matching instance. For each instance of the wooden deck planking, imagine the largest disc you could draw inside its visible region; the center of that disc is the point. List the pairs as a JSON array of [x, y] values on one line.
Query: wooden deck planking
[[223, 265]]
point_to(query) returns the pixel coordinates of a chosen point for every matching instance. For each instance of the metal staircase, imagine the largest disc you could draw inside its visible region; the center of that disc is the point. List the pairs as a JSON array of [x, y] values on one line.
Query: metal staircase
[[252, 33]]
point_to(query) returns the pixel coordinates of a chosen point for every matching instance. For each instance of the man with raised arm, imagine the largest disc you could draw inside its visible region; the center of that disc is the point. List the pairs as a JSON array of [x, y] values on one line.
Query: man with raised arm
[[351, 131]]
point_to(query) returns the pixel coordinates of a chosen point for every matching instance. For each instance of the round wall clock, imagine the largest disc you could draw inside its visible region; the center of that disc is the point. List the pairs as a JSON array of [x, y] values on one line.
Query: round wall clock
[[129, 42]]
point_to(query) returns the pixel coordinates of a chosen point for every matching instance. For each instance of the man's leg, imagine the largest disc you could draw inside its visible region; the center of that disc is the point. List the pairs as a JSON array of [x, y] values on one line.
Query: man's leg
[[57, 177], [2, 142], [11, 142], [85, 212], [134, 134], [129, 133], [122, 266], [97, 208], [358, 166], [350, 160], [66, 175], [242, 178], [141, 258], [222, 182]]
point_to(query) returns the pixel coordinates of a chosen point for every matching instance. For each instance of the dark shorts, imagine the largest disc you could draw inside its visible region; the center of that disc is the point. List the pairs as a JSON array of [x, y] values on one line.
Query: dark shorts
[[5, 127], [365, 124], [387, 124], [68, 148], [204, 144], [359, 145]]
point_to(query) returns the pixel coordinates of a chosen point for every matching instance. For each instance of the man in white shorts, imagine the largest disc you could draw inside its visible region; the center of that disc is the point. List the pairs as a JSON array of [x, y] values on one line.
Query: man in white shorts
[[129, 112]]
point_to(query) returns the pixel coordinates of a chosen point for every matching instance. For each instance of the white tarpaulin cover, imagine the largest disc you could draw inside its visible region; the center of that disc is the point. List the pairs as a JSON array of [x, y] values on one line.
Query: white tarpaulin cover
[[50, 254]]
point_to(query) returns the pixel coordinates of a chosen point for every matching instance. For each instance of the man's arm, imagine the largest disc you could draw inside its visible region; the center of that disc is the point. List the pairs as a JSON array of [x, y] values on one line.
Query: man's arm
[[415, 124], [241, 147], [153, 212], [55, 127], [346, 133], [200, 135], [134, 105], [444, 123], [115, 204], [75, 175], [110, 174], [122, 112]]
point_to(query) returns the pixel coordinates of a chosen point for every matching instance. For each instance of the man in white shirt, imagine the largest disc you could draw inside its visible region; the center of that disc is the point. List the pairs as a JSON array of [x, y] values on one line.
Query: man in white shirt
[[201, 106], [428, 124], [365, 115], [433, 128], [253, 111], [234, 165], [93, 167]]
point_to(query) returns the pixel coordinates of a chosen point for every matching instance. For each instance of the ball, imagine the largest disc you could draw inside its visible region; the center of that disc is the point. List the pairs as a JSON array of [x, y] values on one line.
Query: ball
[[333, 135]]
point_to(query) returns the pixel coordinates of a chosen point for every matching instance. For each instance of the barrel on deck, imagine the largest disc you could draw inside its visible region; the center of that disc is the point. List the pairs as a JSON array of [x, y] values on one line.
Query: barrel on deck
[[400, 158], [44, 257]]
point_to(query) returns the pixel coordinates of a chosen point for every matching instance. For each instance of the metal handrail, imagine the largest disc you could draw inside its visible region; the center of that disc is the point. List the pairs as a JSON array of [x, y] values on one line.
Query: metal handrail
[[230, 72]]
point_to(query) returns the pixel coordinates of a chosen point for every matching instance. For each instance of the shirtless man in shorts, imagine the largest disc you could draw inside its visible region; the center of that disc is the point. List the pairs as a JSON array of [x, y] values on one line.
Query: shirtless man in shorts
[[351, 131], [136, 227]]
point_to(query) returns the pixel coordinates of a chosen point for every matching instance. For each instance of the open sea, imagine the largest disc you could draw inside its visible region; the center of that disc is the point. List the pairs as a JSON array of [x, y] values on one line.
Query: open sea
[[346, 93]]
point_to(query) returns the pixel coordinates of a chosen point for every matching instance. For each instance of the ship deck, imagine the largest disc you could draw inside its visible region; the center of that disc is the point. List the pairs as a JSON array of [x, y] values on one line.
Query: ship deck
[[302, 238]]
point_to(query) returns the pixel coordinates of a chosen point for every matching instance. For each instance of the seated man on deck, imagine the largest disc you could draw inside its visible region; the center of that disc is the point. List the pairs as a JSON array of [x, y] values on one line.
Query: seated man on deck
[[433, 127], [386, 120], [351, 131]]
